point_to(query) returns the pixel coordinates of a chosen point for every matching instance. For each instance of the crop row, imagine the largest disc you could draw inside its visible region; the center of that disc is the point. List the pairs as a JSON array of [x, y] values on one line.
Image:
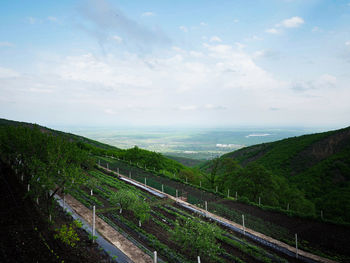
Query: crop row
[[159, 217]]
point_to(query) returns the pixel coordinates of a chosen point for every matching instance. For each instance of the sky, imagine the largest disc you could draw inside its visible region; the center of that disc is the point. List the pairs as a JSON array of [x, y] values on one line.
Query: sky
[[168, 63]]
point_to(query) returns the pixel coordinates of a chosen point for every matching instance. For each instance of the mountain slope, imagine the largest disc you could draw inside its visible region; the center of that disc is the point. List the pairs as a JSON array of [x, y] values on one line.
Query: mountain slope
[[317, 165]]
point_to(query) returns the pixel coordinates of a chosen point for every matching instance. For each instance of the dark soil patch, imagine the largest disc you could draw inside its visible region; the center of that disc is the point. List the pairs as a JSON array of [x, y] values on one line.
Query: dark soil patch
[[26, 235], [321, 235]]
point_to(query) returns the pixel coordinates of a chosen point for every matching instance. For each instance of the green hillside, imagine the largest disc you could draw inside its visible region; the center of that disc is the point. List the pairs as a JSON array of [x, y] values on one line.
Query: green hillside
[[311, 173], [144, 158]]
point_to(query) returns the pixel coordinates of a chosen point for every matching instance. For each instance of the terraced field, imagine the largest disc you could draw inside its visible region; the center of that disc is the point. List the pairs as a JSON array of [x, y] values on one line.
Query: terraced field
[[155, 234], [318, 237]]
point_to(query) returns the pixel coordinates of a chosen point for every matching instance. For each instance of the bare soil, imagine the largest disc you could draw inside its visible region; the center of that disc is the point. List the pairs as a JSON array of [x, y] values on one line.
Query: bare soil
[[322, 235]]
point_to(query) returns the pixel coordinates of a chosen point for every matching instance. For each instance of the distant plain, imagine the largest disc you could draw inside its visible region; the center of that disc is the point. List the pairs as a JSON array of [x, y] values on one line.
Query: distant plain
[[199, 143]]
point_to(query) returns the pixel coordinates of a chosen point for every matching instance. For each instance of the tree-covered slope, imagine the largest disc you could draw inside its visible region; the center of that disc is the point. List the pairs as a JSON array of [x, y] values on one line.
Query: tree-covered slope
[[311, 168], [143, 157]]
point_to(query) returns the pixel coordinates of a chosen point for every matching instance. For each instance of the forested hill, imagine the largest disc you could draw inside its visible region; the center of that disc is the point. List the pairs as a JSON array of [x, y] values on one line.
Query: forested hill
[[69, 136], [317, 165], [136, 155]]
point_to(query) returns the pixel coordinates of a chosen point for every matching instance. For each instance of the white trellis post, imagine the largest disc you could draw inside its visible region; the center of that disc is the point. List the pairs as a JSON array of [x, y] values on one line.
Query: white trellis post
[[162, 188], [296, 245], [199, 259], [155, 257], [200, 183], [243, 224], [228, 192], [91, 192], [93, 224], [22, 177], [118, 170], [37, 200], [50, 218], [236, 195], [28, 188], [64, 199], [145, 181], [176, 194], [206, 205]]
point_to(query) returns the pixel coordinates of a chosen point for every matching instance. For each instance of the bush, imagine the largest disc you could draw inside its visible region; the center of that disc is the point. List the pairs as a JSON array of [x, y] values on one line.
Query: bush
[[67, 233]]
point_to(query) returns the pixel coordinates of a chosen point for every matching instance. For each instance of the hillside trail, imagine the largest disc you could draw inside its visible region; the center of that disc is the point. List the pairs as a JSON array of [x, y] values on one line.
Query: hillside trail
[[109, 233]]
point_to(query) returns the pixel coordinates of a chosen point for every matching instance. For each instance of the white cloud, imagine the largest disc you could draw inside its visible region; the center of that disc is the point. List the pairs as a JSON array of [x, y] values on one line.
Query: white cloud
[[325, 81], [214, 107], [32, 20], [295, 21], [183, 28], [265, 53], [196, 54], [347, 43], [8, 73], [203, 24], [292, 22], [110, 112], [118, 39], [215, 39], [235, 21], [219, 85], [188, 108], [254, 38], [240, 46], [146, 14], [6, 44], [328, 80], [52, 18], [272, 31], [102, 17]]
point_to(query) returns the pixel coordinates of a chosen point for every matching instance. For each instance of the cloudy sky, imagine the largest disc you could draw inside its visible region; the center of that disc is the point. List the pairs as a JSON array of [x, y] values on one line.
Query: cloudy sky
[[198, 63]]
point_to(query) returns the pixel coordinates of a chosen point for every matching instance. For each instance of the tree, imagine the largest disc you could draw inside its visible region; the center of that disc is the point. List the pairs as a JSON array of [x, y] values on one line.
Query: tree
[[48, 162], [255, 181], [227, 178], [196, 237], [211, 177], [125, 199], [141, 211]]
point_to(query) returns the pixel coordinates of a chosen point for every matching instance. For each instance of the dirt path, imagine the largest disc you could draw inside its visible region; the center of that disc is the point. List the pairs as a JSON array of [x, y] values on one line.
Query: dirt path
[[262, 236], [110, 234]]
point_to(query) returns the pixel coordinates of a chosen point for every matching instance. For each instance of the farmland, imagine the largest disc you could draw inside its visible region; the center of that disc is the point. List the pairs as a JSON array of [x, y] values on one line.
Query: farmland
[[156, 232], [316, 237]]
